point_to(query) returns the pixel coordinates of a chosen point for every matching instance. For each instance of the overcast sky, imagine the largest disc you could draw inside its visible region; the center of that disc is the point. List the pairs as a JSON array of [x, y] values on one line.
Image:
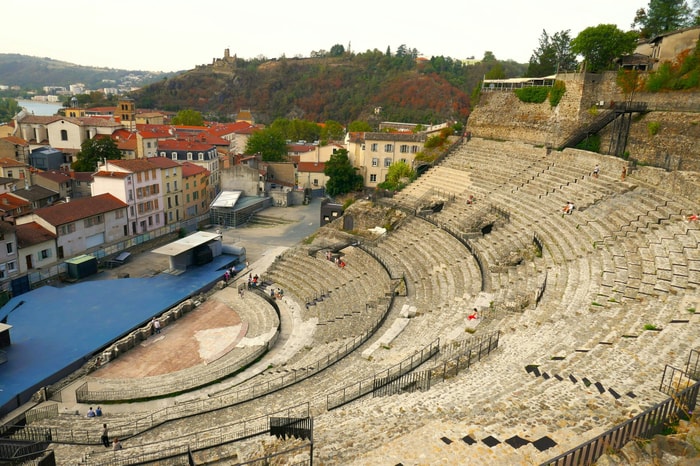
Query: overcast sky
[[175, 35]]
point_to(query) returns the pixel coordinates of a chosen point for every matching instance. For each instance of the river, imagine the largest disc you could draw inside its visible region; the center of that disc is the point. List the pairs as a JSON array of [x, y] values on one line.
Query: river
[[40, 108]]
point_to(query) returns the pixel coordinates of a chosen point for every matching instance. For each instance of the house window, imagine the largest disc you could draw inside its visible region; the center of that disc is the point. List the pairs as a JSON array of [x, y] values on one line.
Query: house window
[[374, 147], [44, 254], [189, 156], [162, 154], [150, 221], [404, 160], [375, 162], [11, 266], [388, 147], [173, 156], [119, 214], [201, 156], [414, 149], [404, 148], [373, 178], [387, 162], [64, 135], [315, 181], [148, 144], [167, 187], [9, 174], [10, 248]]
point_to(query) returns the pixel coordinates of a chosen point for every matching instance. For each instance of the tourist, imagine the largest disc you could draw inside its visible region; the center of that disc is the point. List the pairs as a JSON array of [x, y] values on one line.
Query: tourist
[[596, 171], [117, 445], [156, 325], [473, 315], [98, 412], [105, 436], [624, 174], [91, 412]]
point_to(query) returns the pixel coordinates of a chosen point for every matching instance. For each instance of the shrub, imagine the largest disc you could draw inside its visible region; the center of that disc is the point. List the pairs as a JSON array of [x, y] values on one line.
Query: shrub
[[556, 93], [650, 327], [532, 95], [653, 128], [433, 141], [591, 143]]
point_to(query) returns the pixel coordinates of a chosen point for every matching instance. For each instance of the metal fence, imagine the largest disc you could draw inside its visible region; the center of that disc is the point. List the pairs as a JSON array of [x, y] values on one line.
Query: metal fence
[[366, 386], [41, 412], [645, 425]]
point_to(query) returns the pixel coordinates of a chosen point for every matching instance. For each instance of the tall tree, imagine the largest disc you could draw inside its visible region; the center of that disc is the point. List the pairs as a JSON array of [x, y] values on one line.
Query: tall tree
[[188, 117], [663, 16], [8, 109], [342, 176], [269, 143], [600, 45], [553, 55], [94, 150], [332, 130]]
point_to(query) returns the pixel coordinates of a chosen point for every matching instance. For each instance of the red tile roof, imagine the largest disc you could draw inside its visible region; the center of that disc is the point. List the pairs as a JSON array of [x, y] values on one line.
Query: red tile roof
[[16, 140], [9, 201], [82, 176], [133, 165], [77, 209], [163, 162], [192, 169], [55, 176], [222, 129], [313, 167], [171, 144], [8, 162], [110, 174], [29, 234]]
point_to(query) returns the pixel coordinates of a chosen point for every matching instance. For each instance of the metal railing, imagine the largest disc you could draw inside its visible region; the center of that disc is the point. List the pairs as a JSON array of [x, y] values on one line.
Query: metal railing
[[366, 386], [645, 425]]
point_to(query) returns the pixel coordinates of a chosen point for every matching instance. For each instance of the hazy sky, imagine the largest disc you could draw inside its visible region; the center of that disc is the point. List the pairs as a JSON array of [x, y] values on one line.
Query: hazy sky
[[175, 35]]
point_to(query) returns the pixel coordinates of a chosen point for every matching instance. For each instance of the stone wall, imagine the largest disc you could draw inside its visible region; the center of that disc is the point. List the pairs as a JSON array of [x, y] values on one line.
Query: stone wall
[[501, 115]]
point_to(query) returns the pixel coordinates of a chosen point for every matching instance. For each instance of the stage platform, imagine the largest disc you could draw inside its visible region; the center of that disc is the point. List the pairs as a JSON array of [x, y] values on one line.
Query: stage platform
[[56, 329]]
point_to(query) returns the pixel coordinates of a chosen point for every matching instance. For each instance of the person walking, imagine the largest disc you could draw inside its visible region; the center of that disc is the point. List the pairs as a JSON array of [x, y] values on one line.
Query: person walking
[[105, 436], [156, 326]]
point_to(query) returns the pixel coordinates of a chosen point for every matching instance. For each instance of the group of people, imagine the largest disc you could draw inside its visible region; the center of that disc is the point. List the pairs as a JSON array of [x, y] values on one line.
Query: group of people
[[253, 280], [94, 412], [278, 293], [623, 175], [338, 261]]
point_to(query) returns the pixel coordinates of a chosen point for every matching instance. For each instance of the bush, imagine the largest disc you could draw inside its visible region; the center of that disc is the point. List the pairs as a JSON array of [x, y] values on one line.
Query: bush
[[591, 143], [653, 128], [532, 95], [433, 141], [556, 93]]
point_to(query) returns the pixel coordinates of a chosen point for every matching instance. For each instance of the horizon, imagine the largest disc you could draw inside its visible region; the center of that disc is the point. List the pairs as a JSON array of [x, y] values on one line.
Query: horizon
[[157, 44]]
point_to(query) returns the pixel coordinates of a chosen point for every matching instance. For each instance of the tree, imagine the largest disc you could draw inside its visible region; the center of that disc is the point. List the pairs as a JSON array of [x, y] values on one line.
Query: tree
[[663, 16], [269, 143], [343, 177], [600, 45], [92, 151], [553, 54], [332, 130], [188, 117], [8, 109], [359, 126], [337, 50], [398, 176]]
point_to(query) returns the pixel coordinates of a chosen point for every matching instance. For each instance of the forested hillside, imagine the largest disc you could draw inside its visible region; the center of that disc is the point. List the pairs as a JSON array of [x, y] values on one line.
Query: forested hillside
[[35, 72], [342, 88]]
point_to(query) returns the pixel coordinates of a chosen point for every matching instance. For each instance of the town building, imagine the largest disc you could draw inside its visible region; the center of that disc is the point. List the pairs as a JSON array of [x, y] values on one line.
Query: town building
[[82, 225], [136, 183], [373, 153], [171, 186], [58, 181], [202, 154], [36, 247], [13, 147], [9, 267], [196, 192]]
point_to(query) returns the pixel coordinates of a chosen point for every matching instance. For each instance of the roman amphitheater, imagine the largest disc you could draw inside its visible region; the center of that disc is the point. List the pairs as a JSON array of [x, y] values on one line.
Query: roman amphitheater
[[586, 321]]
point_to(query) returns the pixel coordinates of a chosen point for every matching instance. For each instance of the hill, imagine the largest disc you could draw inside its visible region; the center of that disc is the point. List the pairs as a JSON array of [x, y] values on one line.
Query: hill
[[34, 73], [365, 86]]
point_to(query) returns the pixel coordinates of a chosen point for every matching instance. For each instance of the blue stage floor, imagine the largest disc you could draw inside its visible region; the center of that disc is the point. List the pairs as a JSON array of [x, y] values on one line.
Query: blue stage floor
[[53, 328]]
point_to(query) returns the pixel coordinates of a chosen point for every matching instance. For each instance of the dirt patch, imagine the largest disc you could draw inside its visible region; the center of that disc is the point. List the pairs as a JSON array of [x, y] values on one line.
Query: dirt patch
[[180, 345]]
